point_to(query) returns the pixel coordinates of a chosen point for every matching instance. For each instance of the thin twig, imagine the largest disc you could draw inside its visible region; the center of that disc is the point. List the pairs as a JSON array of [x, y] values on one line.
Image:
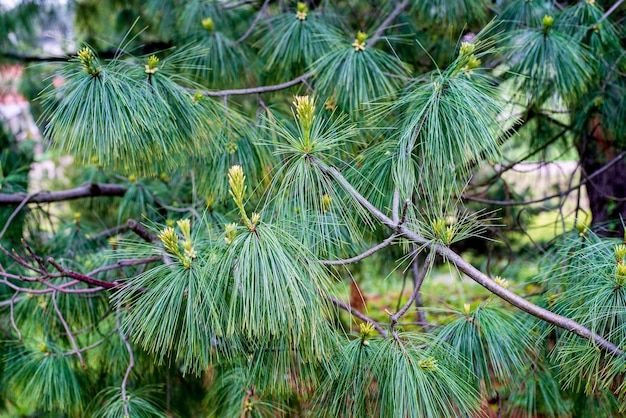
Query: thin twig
[[257, 90], [68, 331], [418, 280], [392, 16], [361, 256], [131, 364], [359, 315], [256, 21], [15, 212], [12, 313], [81, 277], [416, 289], [608, 13], [554, 196], [141, 231], [124, 263]]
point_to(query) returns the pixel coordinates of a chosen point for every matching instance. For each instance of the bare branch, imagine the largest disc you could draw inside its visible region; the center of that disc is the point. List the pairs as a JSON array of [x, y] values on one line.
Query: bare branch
[[14, 213], [124, 263], [13, 323], [68, 331], [140, 230], [392, 16], [86, 190], [83, 278], [554, 196], [416, 289], [361, 256], [256, 21], [608, 13], [257, 90], [131, 364], [359, 315]]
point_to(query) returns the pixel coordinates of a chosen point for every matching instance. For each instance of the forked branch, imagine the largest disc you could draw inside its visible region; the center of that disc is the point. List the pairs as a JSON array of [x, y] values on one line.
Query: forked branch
[[471, 271]]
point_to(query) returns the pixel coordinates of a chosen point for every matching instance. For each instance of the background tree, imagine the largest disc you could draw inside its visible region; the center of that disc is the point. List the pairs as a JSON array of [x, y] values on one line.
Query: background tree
[[253, 183]]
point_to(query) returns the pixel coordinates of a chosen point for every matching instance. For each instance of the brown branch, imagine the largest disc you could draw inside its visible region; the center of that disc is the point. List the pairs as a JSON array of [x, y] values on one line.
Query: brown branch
[[131, 363], [256, 21], [359, 315], [86, 190], [392, 16], [141, 230], [13, 323], [471, 271], [83, 278], [68, 331], [416, 289], [14, 214]]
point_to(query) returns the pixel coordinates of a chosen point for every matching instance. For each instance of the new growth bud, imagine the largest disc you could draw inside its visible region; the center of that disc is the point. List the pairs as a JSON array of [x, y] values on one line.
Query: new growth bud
[[89, 62], [302, 11], [208, 25], [359, 42], [151, 66], [428, 364], [236, 180]]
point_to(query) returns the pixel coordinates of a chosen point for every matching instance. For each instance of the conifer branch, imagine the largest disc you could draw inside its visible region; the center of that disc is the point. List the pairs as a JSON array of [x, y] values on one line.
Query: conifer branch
[[12, 313], [392, 16], [416, 289], [359, 315], [258, 90], [471, 271], [86, 190], [14, 214], [131, 364], [361, 256]]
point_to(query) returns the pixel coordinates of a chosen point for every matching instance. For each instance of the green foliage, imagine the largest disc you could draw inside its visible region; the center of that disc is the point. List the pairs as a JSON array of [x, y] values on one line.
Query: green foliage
[[213, 280], [412, 376], [42, 374]]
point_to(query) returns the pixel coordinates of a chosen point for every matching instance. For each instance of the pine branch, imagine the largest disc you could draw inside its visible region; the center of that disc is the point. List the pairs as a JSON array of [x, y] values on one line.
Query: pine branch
[[395, 13], [416, 289], [359, 315], [471, 271], [258, 90], [86, 190], [361, 256], [256, 21], [131, 364], [12, 313]]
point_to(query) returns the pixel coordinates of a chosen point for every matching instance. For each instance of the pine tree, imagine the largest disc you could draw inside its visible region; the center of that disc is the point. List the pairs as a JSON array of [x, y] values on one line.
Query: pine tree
[[245, 173]]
